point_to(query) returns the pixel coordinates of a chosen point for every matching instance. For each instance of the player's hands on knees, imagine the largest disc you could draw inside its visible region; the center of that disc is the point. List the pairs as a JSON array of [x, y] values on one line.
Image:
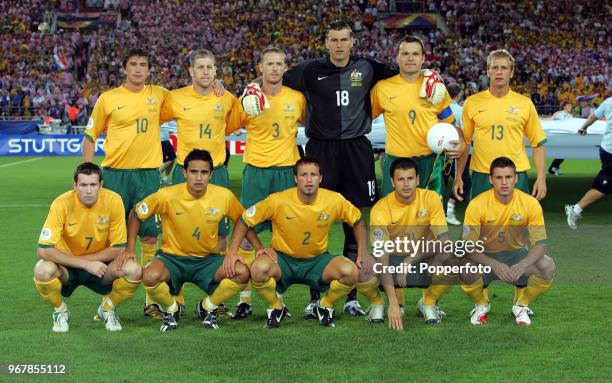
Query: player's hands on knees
[[395, 318], [96, 268], [269, 252], [123, 258], [458, 189], [229, 264], [517, 270], [218, 88], [539, 188], [503, 272], [254, 100], [457, 150]]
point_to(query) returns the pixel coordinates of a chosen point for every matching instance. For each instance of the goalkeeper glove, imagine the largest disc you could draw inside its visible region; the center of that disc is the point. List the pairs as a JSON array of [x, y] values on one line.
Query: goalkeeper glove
[[433, 88], [254, 100]]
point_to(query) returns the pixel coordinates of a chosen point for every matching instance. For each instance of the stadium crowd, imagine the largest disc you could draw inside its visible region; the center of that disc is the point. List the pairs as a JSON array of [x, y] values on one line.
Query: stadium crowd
[[562, 48]]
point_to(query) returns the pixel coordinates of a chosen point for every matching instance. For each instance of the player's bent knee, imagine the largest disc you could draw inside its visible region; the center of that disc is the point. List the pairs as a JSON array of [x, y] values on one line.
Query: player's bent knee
[[132, 271], [151, 277], [261, 270], [242, 273], [547, 267], [45, 270], [349, 272]]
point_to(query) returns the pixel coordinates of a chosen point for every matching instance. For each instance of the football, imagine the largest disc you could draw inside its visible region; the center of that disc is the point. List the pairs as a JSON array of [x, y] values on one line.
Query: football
[[440, 135]]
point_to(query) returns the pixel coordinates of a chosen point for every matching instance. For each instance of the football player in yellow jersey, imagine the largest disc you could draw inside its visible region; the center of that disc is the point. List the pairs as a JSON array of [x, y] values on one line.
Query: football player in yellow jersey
[[271, 148], [408, 118], [190, 214], [202, 118], [416, 214], [301, 220], [507, 220], [82, 236], [499, 119], [129, 117]]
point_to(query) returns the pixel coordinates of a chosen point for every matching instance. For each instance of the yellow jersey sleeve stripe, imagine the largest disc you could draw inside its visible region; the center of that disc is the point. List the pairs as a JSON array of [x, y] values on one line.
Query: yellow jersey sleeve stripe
[[540, 143], [137, 217], [245, 222]]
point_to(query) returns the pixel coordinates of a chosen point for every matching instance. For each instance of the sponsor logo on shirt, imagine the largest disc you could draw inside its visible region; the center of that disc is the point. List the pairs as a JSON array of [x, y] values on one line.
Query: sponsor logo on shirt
[[250, 212], [45, 234]]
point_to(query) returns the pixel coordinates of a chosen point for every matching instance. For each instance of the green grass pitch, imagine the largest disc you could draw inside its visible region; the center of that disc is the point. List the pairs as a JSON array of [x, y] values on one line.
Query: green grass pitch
[[569, 341]]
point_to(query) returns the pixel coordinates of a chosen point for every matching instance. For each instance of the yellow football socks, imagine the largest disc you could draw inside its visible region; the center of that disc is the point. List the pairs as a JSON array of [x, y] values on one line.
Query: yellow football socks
[[249, 257], [161, 294], [337, 290], [267, 292], [148, 252], [476, 292], [518, 292], [123, 289], [536, 286], [369, 288], [439, 285], [50, 291], [227, 289]]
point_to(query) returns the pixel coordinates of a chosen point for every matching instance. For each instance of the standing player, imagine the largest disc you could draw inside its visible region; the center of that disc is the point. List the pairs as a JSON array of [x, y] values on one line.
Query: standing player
[[190, 214], [202, 118], [83, 234], [507, 220], [301, 220], [414, 213], [129, 117], [408, 118], [271, 148], [602, 184], [499, 119]]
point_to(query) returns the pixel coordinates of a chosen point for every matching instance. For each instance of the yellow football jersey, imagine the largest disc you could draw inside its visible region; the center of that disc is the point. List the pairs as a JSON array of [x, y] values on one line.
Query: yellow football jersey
[[423, 218], [503, 227], [408, 117], [189, 224], [80, 230], [300, 230], [202, 121], [271, 135], [499, 127], [130, 122]]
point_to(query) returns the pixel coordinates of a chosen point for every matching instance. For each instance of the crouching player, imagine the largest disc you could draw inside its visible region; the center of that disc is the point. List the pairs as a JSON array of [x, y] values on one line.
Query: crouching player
[[502, 218], [416, 215], [190, 214], [79, 243], [301, 219]]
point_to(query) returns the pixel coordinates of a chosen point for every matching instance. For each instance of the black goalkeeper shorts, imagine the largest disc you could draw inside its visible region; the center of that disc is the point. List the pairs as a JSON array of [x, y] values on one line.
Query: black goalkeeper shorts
[[347, 167]]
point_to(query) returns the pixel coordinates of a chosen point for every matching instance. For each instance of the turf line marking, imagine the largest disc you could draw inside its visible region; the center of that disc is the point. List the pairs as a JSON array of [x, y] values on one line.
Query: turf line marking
[[20, 162]]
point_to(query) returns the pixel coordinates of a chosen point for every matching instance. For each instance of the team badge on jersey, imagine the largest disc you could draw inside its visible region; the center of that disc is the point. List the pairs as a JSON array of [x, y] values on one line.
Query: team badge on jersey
[[288, 108], [517, 217], [513, 110], [250, 212], [143, 209], [356, 78], [151, 101], [45, 234], [102, 220], [218, 108], [212, 211], [323, 217], [422, 213]]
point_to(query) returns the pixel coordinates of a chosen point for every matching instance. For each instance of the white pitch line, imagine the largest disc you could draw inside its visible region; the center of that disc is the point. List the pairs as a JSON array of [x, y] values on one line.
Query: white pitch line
[[20, 162]]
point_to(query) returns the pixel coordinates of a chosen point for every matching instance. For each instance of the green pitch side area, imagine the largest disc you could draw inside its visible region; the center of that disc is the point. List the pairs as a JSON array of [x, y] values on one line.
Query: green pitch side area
[[569, 340]]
